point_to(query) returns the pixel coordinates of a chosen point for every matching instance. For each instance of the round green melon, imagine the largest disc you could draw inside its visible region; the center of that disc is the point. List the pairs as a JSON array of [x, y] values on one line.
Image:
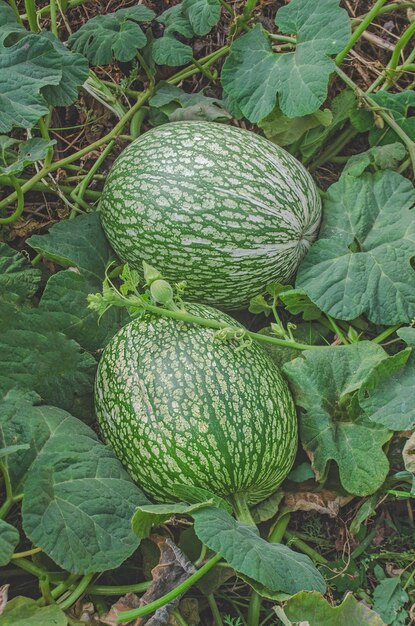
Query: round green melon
[[179, 406], [218, 206]]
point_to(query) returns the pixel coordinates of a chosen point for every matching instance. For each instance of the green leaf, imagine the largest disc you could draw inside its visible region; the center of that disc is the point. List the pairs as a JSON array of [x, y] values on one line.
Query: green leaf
[[78, 502], [398, 105], [114, 35], [151, 516], [268, 508], [297, 302], [175, 20], [301, 473], [273, 565], [38, 358], [25, 68], [19, 281], [387, 395], [21, 611], [75, 71], [254, 75], [7, 16], [65, 301], [362, 260], [202, 14], [332, 426], [169, 51], [199, 495], [389, 599], [13, 449], [169, 103], [258, 305], [31, 427], [34, 149], [68, 243], [316, 611], [378, 157], [340, 106], [284, 131], [9, 538]]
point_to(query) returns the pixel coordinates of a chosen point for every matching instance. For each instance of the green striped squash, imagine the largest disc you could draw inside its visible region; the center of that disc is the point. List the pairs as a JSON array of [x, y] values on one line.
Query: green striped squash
[[216, 205], [180, 406]]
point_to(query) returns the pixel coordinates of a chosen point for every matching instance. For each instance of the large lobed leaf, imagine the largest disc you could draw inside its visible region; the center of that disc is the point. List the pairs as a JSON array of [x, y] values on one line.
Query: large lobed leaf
[[253, 75], [362, 260], [333, 426], [35, 70], [114, 35]]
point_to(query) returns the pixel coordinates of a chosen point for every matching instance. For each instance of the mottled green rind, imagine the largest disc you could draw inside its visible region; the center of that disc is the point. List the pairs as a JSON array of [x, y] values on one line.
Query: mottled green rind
[[218, 206], [181, 407]]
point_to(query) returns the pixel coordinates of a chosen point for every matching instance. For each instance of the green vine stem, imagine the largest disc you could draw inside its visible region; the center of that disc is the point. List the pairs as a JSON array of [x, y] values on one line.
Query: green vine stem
[[214, 608], [277, 531], [30, 6], [293, 540], [53, 18], [9, 501], [243, 514], [137, 301], [386, 333], [16, 11], [387, 9], [20, 555], [117, 590], [394, 61], [78, 193], [360, 30], [136, 122], [127, 616], [248, 8], [46, 10], [79, 591], [77, 155], [371, 104], [20, 202]]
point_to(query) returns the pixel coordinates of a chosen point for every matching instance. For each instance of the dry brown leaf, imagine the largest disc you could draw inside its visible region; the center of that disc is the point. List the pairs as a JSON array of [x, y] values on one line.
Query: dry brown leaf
[[408, 454], [4, 594], [173, 568], [127, 602], [325, 502]]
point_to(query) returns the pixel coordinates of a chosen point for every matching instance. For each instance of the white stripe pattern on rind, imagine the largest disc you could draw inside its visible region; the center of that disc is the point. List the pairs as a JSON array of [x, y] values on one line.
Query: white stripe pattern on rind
[[179, 406], [221, 207]]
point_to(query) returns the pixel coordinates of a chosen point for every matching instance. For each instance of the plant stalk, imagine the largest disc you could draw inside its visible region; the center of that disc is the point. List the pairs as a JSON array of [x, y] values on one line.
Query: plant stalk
[[359, 31], [127, 616]]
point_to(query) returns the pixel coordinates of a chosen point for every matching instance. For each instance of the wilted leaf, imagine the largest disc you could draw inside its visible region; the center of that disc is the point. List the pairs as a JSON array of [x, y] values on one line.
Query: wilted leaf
[[313, 608], [284, 130], [379, 157], [324, 502]]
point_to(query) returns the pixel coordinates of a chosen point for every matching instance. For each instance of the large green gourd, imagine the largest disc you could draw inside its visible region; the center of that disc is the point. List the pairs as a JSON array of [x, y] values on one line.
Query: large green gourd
[[216, 205], [180, 406]]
